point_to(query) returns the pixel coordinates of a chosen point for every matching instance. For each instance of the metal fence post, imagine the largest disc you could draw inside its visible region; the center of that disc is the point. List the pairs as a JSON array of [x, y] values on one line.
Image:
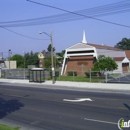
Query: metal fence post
[[106, 75], [59, 74], [90, 75], [73, 75]]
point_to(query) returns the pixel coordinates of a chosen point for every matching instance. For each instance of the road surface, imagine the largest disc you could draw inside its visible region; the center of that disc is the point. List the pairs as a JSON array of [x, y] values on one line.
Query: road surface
[[51, 109]]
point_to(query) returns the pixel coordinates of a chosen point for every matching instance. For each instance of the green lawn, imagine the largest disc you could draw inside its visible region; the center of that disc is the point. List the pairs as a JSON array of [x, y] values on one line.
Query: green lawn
[[79, 79], [5, 127], [114, 75]]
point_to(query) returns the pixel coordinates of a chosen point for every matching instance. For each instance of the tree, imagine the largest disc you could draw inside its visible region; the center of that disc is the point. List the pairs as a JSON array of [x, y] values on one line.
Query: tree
[[47, 62], [31, 59], [105, 63], [49, 48], [19, 59], [61, 53], [124, 44]]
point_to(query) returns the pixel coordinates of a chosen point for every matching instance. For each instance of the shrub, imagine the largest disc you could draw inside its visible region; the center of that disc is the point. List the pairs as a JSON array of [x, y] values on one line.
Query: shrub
[[87, 73], [57, 73], [93, 73], [72, 73]]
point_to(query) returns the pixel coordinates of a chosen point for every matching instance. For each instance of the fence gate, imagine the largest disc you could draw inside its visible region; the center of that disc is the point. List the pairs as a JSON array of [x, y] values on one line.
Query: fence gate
[[118, 78]]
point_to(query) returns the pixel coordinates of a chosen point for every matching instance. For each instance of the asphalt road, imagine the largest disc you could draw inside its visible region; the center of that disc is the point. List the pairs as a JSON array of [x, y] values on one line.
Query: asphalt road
[[50, 109]]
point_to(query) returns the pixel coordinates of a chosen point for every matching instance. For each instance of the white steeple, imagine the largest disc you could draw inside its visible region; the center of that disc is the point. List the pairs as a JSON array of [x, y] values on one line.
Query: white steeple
[[84, 38]]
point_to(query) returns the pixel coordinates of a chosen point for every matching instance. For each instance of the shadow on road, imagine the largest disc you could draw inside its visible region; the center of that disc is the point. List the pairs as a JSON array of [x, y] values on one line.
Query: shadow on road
[[127, 106], [9, 106]]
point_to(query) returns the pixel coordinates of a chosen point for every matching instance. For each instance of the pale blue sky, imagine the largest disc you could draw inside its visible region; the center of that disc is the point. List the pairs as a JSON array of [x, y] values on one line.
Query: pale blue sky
[[65, 34]]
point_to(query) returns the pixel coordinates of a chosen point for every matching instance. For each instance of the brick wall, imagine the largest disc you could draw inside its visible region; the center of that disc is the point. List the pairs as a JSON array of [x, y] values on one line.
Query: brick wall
[[80, 64]]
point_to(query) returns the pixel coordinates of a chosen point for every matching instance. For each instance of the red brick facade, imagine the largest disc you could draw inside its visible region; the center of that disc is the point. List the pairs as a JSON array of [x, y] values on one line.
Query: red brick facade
[[80, 64]]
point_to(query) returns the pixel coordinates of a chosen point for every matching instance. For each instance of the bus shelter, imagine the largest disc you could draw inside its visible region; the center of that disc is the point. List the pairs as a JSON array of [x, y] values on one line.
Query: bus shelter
[[37, 75]]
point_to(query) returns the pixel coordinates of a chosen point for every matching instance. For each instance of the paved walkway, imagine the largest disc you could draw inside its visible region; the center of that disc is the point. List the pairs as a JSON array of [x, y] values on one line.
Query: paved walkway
[[87, 85]]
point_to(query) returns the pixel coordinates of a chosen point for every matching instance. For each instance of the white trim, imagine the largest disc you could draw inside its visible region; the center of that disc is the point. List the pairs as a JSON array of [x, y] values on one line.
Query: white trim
[[96, 55], [65, 68], [83, 54], [80, 49], [125, 60], [63, 65]]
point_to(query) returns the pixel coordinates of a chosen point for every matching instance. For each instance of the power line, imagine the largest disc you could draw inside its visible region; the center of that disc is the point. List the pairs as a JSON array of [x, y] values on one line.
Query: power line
[[55, 19], [109, 9], [22, 34], [79, 14], [122, 6]]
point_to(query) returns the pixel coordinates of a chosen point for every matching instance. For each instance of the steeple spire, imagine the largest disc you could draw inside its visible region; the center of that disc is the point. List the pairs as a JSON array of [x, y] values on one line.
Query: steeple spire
[[84, 38]]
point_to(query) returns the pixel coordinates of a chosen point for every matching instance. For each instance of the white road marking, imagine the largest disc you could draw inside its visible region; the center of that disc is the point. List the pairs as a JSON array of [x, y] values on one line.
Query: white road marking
[[78, 100], [100, 121], [35, 122]]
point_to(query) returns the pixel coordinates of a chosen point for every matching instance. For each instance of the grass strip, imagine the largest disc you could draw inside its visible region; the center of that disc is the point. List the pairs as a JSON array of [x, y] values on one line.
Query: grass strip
[[5, 127], [79, 79]]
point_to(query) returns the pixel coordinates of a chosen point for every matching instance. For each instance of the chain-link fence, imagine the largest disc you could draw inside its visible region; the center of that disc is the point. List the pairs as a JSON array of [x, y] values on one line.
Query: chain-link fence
[[15, 73], [96, 76], [80, 76], [20, 73], [118, 77], [77, 76]]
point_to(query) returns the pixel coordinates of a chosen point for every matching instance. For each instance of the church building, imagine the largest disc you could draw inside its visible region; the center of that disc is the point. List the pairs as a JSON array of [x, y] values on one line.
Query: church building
[[81, 57]]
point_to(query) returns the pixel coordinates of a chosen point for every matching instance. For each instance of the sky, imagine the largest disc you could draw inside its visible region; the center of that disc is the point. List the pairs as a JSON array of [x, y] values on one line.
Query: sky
[[64, 34]]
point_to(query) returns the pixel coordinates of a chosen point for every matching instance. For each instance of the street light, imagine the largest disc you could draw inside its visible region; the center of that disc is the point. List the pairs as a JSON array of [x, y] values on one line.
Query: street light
[[24, 64], [52, 63], [9, 58]]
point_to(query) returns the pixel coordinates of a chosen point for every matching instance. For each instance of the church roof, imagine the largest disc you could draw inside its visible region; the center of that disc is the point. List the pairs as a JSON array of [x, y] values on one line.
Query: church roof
[[90, 45], [108, 51], [79, 46], [111, 53], [127, 53], [103, 46]]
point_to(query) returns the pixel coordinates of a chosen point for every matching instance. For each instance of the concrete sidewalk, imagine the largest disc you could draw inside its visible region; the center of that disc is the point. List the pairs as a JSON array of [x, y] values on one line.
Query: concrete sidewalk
[[85, 85]]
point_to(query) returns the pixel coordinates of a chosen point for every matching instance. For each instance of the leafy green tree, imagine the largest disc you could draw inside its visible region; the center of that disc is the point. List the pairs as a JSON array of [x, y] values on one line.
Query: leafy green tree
[[61, 53], [49, 48], [31, 59], [105, 63], [124, 44], [47, 62], [19, 59]]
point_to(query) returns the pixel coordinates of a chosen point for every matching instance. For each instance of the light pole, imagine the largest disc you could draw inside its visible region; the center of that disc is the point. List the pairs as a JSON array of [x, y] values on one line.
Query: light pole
[[9, 58], [24, 64], [52, 62]]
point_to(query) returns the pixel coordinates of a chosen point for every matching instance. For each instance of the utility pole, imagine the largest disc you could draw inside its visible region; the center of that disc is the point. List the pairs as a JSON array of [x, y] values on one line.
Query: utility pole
[[52, 61], [24, 64], [9, 58]]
